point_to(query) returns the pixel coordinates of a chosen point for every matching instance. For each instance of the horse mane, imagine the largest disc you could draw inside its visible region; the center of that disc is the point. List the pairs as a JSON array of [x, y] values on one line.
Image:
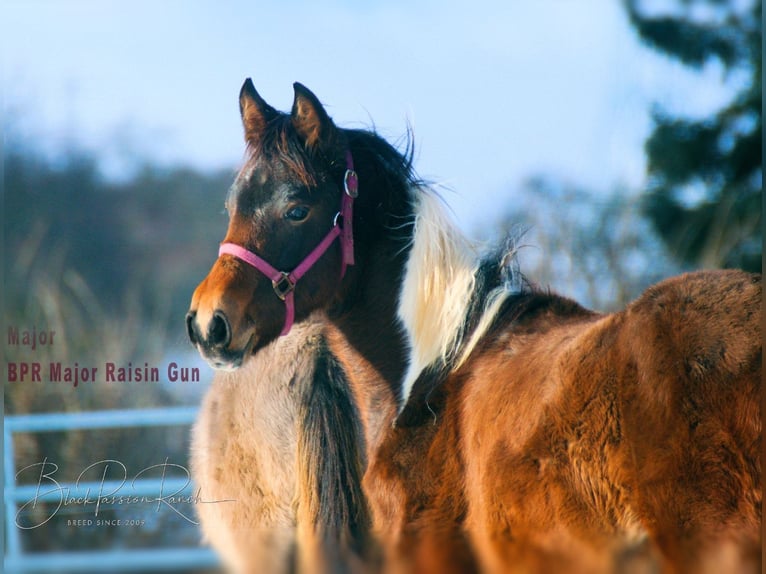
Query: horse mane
[[438, 282], [383, 165], [451, 293]]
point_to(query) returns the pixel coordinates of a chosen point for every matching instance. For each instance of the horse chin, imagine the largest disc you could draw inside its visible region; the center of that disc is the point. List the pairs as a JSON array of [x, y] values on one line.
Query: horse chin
[[227, 360], [224, 367]]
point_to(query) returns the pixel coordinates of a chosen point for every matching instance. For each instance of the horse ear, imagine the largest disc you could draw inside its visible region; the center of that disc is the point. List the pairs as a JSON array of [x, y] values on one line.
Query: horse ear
[[310, 118], [255, 112]]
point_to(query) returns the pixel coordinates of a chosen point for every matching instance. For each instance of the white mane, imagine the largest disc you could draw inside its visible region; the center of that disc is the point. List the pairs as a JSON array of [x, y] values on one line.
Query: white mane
[[436, 290]]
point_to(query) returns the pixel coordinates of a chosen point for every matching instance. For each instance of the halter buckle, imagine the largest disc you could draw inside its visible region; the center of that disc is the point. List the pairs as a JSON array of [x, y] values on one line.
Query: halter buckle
[[283, 286], [351, 183]]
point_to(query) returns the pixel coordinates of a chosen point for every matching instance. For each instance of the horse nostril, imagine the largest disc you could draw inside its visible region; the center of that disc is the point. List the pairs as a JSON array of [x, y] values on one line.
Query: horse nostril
[[219, 333], [191, 329]]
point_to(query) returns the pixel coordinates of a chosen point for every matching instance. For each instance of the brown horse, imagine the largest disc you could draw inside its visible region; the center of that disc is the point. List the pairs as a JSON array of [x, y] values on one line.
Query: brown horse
[[277, 451], [507, 429]]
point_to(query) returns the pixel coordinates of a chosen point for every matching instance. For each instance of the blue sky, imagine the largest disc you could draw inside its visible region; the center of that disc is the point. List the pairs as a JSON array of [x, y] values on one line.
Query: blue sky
[[496, 91]]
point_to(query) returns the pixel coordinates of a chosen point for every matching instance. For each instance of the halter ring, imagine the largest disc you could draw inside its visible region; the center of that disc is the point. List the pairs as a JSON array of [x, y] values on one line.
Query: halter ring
[[351, 183], [284, 286]]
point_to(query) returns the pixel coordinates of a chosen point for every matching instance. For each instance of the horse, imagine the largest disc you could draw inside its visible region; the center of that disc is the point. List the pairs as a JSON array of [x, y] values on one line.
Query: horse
[[276, 457], [507, 428]]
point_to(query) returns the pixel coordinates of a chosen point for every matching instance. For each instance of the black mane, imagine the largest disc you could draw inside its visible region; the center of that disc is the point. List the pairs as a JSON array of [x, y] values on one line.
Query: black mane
[[387, 206]]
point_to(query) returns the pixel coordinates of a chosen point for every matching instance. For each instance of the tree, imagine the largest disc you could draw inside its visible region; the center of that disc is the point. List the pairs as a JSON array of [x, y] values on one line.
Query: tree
[[599, 250], [705, 182], [110, 268]]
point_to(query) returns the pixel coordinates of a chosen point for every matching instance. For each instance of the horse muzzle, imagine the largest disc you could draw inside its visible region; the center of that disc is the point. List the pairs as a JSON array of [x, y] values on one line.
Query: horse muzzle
[[213, 339]]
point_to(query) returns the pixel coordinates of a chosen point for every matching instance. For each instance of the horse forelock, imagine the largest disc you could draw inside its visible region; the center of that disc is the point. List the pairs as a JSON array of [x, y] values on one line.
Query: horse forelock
[[279, 142], [449, 295]]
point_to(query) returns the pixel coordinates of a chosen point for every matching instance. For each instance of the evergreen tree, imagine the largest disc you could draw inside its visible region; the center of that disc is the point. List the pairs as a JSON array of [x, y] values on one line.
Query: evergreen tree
[[705, 180]]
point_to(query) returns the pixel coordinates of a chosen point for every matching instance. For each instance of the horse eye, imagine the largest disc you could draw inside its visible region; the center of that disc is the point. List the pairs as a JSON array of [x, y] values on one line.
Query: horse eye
[[298, 213]]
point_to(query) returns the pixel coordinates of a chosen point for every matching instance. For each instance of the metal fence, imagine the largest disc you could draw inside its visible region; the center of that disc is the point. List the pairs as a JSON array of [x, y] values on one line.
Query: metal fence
[[16, 496]]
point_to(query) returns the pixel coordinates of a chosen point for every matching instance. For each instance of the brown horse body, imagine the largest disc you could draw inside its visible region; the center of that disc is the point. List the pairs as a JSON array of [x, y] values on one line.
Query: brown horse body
[[506, 429], [569, 440]]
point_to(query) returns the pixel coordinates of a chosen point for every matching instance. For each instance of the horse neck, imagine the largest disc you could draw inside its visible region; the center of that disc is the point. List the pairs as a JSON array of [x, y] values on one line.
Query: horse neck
[[364, 331], [365, 335], [405, 314]]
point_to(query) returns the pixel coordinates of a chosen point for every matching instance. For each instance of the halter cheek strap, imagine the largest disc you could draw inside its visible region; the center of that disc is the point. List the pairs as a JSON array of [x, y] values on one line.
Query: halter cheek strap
[[283, 282]]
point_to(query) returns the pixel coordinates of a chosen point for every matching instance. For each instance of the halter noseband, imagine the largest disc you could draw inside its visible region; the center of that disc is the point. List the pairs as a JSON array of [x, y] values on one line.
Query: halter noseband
[[283, 282]]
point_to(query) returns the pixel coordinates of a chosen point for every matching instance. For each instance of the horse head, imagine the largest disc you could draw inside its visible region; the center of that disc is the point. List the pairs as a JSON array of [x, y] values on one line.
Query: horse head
[[289, 237]]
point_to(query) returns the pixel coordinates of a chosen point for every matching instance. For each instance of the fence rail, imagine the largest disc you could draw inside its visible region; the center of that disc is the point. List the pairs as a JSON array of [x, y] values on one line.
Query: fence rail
[[18, 561]]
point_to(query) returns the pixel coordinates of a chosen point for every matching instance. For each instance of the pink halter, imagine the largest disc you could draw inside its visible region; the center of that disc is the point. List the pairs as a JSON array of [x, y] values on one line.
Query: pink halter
[[283, 282]]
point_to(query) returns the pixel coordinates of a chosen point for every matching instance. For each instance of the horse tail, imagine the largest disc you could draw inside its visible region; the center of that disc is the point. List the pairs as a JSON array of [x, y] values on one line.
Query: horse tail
[[333, 517]]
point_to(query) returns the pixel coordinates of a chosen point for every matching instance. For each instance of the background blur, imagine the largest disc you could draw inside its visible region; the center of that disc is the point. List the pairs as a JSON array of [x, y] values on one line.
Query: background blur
[[623, 138]]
